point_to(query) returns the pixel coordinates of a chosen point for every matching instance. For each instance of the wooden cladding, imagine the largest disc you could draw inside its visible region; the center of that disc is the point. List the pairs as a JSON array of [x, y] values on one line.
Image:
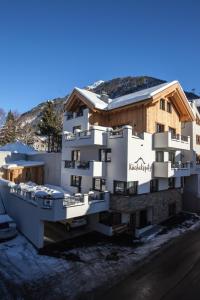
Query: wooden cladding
[[156, 115], [25, 174], [134, 116], [142, 117]]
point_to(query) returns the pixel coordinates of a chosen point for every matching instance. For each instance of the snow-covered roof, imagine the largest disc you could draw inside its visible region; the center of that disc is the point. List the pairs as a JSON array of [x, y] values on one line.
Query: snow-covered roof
[[140, 95], [18, 147], [135, 97], [23, 163], [93, 98]]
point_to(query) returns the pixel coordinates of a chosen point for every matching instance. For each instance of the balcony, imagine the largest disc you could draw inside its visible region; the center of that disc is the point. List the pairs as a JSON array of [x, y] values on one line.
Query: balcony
[[51, 209], [86, 168], [167, 169], [91, 137], [166, 139]]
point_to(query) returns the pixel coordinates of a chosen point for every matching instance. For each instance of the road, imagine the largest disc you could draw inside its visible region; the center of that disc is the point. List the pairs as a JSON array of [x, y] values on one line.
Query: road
[[171, 275]]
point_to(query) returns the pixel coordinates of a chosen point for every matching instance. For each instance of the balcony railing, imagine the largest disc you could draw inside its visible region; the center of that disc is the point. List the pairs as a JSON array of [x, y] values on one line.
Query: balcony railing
[[72, 115], [117, 132], [83, 165], [179, 137], [69, 164], [85, 133], [179, 165], [70, 136]]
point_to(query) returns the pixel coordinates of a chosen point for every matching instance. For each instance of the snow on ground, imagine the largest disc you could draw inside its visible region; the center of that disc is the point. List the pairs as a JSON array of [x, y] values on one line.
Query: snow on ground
[[79, 270]]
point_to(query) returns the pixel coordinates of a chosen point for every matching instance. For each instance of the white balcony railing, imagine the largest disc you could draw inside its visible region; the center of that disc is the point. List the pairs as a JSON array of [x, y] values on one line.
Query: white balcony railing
[[94, 136], [59, 209], [173, 141], [167, 169]]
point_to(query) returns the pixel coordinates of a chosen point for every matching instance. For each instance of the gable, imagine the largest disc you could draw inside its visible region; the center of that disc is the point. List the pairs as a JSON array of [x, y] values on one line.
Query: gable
[[75, 102], [168, 91]]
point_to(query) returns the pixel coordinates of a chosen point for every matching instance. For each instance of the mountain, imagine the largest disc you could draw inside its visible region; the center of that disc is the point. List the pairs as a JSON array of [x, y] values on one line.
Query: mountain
[[114, 88]]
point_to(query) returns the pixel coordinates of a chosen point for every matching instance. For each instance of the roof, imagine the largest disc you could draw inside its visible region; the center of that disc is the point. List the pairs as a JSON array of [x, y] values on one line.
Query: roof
[[18, 147], [140, 95], [123, 100], [23, 164], [93, 97]]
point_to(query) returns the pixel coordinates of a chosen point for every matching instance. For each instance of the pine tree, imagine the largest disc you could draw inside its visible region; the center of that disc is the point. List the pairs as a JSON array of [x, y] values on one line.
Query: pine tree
[[50, 125], [8, 132]]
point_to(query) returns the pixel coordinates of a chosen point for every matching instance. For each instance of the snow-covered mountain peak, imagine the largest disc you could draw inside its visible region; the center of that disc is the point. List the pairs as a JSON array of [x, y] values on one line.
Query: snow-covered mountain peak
[[95, 84]]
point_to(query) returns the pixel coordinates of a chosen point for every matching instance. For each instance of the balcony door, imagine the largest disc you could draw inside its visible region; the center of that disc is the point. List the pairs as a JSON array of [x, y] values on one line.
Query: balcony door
[[172, 157], [76, 155], [173, 131]]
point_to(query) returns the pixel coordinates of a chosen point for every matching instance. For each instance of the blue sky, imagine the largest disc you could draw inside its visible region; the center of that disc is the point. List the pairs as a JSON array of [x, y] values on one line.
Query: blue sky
[[48, 47]]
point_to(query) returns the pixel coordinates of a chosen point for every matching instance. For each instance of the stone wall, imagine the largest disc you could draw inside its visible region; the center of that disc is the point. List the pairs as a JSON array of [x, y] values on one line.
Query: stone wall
[[159, 202]]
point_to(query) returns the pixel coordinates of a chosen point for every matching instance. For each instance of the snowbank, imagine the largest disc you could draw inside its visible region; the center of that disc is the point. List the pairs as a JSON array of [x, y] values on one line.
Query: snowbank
[[24, 272]]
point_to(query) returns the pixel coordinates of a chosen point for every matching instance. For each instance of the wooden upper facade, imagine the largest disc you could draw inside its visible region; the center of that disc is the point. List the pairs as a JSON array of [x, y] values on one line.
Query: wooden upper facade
[[165, 110], [25, 174]]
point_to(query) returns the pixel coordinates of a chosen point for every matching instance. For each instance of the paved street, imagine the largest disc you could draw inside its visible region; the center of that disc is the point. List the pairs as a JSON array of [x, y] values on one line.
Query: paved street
[[173, 274]]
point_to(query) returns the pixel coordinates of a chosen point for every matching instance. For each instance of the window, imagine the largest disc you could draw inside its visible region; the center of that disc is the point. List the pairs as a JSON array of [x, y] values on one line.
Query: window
[[76, 180], [197, 120], [162, 104], [171, 183], [173, 132], [69, 115], [99, 184], [169, 107], [105, 155], [160, 127], [172, 209], [154, 185], [172, 157], [143, 218], [80, 111], [198, 139], [76, 155], [109, 219], [159, 156], [182, 182], [126, 188], [197, 159], [75, 128]]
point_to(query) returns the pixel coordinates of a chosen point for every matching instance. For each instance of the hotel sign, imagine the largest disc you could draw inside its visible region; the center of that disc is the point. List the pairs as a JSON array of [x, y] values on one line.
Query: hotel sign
[[140, 165]]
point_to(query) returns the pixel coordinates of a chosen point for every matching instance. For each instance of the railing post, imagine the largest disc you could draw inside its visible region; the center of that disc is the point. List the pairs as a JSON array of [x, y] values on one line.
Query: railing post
[[86, 199]]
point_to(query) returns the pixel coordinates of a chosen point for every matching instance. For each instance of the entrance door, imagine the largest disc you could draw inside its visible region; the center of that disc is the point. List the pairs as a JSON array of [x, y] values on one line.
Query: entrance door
[[132, 223], [143, 218]]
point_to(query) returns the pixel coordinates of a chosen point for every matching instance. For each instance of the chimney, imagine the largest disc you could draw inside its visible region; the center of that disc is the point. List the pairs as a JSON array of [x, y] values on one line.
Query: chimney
[[104, 97]]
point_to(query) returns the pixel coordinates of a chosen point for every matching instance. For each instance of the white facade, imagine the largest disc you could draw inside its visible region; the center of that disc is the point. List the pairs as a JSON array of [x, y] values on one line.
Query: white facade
[[133, 158]]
